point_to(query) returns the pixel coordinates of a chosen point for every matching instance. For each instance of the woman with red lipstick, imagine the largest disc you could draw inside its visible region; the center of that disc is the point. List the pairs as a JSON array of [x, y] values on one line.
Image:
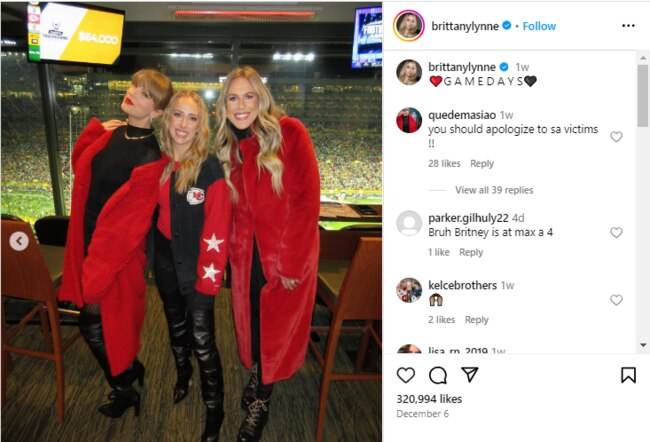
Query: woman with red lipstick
[[271, 169], [117, 170], [191, 246]]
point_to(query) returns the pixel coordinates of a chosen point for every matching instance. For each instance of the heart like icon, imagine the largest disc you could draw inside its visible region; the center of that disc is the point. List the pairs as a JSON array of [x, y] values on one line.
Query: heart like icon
[[616, 231], [405, 374], [616, 299], [530, 80], [435, 79], [616, 136]]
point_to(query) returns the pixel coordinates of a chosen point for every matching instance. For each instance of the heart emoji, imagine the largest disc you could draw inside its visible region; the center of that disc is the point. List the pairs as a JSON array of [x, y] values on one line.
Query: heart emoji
[[405, 374], [530, 80], [436, 80], [616, 299], [616, 231], [616, 136]]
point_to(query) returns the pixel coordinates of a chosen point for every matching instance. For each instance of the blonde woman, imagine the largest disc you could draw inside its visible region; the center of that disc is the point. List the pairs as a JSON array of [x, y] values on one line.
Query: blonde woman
[[408, 26], [191, 245], [408, 74], [271, 168], [117, 168]]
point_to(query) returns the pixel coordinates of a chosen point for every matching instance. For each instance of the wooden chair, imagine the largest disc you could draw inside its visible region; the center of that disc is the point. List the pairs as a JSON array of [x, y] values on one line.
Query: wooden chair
[[25, 275], [352, 291], [52, 230]]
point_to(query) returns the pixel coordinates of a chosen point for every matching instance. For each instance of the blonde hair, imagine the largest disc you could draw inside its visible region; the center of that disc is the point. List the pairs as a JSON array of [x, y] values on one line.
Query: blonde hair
[[266, 128], [402, 72], [156, 84], [192, 159], [402, 25]]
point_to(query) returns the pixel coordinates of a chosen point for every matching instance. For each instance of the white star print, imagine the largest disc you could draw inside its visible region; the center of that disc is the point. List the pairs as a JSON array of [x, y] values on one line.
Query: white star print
[[210, 272], [213, 243]]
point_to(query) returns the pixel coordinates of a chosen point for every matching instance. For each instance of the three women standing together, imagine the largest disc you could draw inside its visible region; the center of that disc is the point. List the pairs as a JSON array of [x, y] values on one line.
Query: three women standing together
[[256, 205]]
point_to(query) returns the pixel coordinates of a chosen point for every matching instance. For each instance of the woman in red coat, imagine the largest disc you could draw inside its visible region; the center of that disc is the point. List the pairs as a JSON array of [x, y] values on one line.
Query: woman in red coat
[[117, 170], [271, 168]]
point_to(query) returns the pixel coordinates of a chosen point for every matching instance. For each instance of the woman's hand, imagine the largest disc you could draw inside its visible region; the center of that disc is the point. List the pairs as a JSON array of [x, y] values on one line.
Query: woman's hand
[[288, 283], [113, 124]]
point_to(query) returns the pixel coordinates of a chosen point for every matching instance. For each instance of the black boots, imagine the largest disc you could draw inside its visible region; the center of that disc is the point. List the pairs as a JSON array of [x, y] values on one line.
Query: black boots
[[205, 348], [255, 400], [123, 395], [257, 415], [179, 337], [250, 390]]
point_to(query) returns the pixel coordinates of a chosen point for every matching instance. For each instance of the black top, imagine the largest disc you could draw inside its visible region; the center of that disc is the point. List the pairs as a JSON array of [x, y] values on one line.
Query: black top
[[405, 124], [112, 167], [240, 133]]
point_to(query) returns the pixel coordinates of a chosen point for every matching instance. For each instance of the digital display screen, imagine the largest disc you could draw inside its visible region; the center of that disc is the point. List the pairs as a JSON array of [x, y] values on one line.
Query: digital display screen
[[74, 33], [368, 38]]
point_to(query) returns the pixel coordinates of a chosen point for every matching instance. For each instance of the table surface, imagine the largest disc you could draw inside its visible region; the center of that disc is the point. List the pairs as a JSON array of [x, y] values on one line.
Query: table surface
[[53, 256]]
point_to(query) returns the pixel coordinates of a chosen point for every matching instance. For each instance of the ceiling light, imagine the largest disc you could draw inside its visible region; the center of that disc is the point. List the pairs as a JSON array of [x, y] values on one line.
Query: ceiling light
[[241, 15]]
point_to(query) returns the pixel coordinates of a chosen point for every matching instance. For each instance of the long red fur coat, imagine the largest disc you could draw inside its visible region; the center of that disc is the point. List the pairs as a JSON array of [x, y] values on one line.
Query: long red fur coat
[[113, 272], [285, 227]]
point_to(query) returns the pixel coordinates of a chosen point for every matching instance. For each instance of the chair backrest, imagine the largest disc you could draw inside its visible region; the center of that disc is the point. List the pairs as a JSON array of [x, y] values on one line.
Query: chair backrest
[[24, 272], [360, 294], [342, 244], [52, 230], [11, 217]]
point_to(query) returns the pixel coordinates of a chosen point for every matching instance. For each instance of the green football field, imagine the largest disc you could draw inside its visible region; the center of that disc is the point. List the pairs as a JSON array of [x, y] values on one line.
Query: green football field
[[29, 206]]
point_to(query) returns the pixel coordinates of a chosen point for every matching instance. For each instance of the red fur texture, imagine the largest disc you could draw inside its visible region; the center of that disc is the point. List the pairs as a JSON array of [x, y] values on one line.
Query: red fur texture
[[285, 227], [113, 272]]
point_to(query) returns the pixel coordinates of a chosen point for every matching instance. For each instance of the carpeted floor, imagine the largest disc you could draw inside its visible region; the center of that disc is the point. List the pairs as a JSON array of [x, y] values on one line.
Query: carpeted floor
[[353, 413]]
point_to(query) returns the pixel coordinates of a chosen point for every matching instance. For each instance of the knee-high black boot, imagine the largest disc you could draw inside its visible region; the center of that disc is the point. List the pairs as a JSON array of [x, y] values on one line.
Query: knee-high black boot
[[179, 337], [123, 395], [207, 354]]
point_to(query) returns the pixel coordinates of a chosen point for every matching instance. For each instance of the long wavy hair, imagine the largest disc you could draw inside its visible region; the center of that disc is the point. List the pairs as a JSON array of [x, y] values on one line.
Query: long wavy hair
[[190, 162], [402, 26], [266, 128], [402, 72]]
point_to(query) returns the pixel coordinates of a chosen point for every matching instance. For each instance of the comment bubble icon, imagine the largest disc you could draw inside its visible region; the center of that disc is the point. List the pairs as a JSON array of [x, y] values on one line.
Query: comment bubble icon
[[438, 375]]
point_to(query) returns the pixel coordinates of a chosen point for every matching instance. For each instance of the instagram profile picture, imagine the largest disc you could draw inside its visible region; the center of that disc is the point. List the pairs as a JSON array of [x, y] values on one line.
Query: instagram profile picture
[[408, 25], [409, 72], [408, 120], [409, 223], [409, 348], [409, 290]]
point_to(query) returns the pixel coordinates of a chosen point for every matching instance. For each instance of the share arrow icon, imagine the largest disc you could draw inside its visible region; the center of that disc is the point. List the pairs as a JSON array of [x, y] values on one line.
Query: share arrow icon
[[470, 372]]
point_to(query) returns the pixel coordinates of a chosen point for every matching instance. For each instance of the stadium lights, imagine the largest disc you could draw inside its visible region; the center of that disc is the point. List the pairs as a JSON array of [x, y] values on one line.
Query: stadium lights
[[298, 56], [202, 56]]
